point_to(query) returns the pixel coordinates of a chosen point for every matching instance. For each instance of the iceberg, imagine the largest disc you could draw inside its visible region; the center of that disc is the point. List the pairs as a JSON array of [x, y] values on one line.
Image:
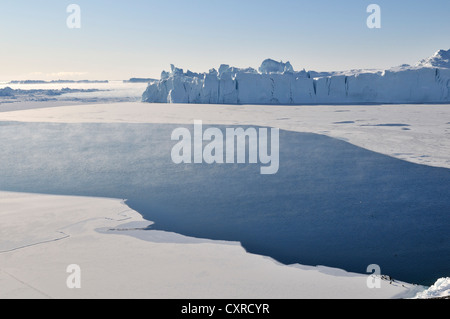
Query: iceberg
[[278, 83], [441, 289], [272, 66], [441, 59]]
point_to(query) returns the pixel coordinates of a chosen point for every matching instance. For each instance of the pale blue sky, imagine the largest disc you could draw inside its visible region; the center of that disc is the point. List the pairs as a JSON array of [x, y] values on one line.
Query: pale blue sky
[[140, 38]]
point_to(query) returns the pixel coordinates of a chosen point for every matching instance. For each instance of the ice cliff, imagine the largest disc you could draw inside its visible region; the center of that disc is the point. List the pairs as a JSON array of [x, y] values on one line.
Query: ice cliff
[[277, 83]]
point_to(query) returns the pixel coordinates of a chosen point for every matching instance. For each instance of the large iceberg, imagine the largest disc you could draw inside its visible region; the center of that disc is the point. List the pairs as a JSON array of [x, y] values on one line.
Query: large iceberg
[[277, 83]]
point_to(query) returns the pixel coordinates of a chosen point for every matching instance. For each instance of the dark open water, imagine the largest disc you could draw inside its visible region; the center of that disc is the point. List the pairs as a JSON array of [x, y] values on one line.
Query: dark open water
[[331, 203]]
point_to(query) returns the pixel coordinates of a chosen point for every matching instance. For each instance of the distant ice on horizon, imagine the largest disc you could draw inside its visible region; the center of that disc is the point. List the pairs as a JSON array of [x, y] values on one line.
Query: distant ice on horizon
[[15, 92]]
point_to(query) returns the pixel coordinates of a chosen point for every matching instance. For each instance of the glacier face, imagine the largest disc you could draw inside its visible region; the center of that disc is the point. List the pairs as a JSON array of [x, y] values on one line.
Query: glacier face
[[277, 83]]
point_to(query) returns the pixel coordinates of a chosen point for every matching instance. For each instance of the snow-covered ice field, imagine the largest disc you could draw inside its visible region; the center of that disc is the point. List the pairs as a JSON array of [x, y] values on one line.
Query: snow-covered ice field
[[16, 96], [52, 232], [43, 234]]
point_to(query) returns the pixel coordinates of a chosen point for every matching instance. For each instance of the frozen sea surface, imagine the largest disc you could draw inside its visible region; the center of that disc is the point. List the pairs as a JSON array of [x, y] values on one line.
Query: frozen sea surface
[[110, 92], [331, 203]]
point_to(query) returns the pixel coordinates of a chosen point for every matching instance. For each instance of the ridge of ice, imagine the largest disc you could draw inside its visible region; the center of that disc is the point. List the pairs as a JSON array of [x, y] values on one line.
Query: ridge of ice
[[278, 83], [271, 66], [441, 289], [441, 59]]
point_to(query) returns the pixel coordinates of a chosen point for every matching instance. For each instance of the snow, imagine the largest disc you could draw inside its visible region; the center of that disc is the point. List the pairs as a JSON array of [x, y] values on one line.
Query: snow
[[439, 290], [441, 59], [278, 83]]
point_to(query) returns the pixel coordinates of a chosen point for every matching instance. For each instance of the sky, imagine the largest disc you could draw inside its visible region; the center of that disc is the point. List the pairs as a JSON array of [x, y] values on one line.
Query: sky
[[140, 38]]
